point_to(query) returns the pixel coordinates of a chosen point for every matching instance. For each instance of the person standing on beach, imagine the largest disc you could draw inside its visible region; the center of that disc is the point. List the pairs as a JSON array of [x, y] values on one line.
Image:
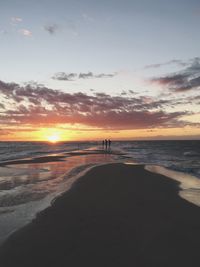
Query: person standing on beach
[[103, 143], [106, 143], [109, 143]]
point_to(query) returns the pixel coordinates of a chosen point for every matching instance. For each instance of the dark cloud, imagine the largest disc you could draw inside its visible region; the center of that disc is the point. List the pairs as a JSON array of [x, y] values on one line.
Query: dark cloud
[[91, 75], [51, 28], [40, 105], [104, 75], [86, 75], [121, 120], [7, 88], [62, 76], [174, 61], [191, 100], [123, 93], [185, 80]]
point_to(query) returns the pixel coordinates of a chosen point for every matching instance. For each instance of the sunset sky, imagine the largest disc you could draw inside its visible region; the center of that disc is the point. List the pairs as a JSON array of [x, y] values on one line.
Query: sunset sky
[[88, 70]]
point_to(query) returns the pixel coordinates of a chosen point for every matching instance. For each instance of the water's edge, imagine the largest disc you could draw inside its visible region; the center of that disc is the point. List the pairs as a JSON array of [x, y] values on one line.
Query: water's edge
[[189, 185]]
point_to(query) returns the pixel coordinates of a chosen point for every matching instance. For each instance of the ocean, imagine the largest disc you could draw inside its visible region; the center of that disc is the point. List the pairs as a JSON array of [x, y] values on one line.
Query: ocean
[[183, 156], [20, 150], [28, 188]]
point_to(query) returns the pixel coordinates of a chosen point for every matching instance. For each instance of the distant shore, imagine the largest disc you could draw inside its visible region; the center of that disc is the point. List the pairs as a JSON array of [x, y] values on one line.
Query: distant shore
[[115, 215]]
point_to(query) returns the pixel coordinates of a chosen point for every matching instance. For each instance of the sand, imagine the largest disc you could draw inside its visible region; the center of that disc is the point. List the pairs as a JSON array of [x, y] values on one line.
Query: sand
[[115, 215]]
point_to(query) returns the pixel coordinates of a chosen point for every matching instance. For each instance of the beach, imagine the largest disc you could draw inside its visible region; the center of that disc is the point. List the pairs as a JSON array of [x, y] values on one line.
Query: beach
[[100, 133], [116, 214], [29, 185]]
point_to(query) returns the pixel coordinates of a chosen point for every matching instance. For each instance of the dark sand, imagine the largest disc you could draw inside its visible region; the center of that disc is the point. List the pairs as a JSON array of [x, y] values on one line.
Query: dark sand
[[115, 215]]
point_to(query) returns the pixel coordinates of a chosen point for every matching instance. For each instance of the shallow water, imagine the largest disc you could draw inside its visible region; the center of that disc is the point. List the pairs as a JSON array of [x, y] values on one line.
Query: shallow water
[[26, 189], [189, 185]]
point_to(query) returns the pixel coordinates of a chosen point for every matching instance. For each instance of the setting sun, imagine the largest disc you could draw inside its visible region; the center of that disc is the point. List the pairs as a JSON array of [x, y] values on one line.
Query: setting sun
[[54, 138], [52, 135]]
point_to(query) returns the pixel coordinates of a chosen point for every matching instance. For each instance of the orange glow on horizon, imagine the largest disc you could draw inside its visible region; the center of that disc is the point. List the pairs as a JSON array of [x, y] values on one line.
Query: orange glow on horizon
[[58, 134], [52, 135], [82, 133]]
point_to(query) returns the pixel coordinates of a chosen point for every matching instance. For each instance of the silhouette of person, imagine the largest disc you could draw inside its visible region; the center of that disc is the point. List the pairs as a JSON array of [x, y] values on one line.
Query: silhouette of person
[[109, 143], [103, 143], [106, 143]]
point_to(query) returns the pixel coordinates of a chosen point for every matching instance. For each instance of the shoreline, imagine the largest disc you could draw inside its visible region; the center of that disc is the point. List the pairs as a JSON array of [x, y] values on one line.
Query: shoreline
[[189, 188], [56, 157], [30, 186], [189, 185], [114, 215]]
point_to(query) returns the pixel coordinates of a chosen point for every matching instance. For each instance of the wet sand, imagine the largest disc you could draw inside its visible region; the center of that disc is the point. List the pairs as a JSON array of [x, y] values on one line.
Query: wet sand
[[56, 157], [115, 215], [30, 185]]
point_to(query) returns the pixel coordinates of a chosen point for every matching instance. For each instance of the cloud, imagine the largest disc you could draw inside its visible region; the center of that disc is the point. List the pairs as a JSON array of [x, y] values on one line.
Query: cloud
[[32, 106], [104, 75], [86, 75], [174, 61], [51, 29], [185, 80], [89, 75], [123, 93], [2, 106], [132, 92], [62, 76], [15, 20], [25, 32]]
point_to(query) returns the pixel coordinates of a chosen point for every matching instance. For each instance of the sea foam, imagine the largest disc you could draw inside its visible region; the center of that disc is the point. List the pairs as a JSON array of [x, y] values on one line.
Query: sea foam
[[189, 185]]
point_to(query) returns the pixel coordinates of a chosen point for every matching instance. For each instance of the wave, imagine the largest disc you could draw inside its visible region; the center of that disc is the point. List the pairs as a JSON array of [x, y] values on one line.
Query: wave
[[189, 184], [191, 153]]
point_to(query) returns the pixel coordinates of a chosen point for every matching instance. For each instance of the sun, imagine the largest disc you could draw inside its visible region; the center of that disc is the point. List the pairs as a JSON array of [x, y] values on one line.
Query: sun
[[54, 138], [52, 135]]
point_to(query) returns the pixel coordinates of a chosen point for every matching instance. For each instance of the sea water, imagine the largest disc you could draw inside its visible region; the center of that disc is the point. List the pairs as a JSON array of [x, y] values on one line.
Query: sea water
[[183, 156], [26, 189], [20, 150]]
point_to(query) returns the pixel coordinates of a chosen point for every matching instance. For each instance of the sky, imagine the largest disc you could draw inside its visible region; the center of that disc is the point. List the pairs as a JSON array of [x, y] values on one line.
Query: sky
[[87, 70]]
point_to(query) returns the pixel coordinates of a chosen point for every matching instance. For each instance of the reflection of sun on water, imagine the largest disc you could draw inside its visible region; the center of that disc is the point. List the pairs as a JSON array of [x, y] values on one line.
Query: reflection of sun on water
[[54, 138]]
